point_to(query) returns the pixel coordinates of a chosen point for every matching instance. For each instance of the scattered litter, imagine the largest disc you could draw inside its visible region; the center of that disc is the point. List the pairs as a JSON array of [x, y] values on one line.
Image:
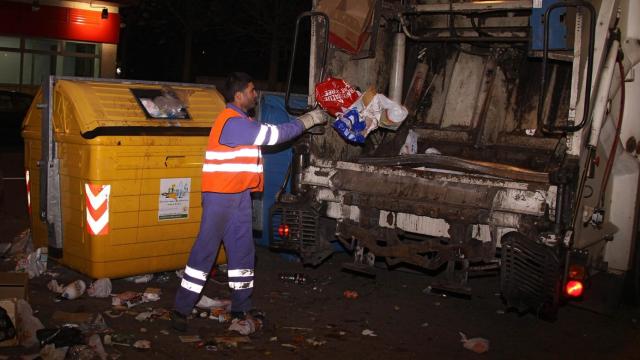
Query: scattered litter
[[246, 326], [144, 316], [34, 264], [231, 341], [142, 344], [289, 346], [350, 294], [128, 298], [50, 352], [367, 332], [211, 348], [204, 315], [180, 273], [222, 317], [314, 342], [189, 338], [163, 277], [295, 278], [140, 279], [55, 287], [60, 337], [500, 312], [425, 324], [122, 339], [151, 294], [342, 333], [95, 344], [27, 324], [100, 288], [85, 321], [107, 339], [164, 332], [273, 338], [432, 151], [74, 290], [477, 345], [52, 274]]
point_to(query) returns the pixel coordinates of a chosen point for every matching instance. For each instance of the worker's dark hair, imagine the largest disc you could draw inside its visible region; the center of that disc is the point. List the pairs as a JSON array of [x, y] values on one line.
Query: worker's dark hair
[[235, 82]]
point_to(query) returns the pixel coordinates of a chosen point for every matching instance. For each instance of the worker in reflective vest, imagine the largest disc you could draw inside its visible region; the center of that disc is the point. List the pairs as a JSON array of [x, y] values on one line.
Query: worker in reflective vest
[[232, 169]]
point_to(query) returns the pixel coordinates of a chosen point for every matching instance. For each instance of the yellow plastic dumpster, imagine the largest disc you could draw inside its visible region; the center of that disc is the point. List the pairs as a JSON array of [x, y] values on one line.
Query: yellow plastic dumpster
[[113, 171]]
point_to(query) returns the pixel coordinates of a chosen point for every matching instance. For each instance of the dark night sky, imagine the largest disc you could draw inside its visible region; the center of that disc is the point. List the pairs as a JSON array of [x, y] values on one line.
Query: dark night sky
[[225, 36]]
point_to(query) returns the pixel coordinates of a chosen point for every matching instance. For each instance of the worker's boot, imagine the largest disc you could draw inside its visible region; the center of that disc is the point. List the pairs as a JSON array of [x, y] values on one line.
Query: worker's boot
[[178, 321]]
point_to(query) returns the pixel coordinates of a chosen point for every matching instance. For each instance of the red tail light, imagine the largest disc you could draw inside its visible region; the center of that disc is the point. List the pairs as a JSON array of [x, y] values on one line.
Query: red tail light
[[283, 230], [574, 288]]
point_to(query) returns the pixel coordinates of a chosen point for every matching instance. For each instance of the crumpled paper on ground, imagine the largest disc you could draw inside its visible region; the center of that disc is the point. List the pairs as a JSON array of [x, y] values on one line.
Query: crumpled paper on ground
[[128, 298], [140, 279], [477, 345], [34, 264], [50, 352], [71, 291], [27, 324], [100, 288], [245, 327]]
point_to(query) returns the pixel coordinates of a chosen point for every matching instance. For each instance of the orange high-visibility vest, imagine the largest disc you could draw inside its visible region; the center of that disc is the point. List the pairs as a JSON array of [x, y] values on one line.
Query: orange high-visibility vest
[[230, 169]]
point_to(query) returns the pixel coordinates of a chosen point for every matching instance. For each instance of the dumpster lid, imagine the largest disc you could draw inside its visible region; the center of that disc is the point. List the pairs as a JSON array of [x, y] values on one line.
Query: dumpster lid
[[112, 103]]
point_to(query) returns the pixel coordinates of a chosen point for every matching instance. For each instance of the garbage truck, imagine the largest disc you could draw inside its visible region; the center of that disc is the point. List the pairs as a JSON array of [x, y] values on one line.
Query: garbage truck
[[519, 154]]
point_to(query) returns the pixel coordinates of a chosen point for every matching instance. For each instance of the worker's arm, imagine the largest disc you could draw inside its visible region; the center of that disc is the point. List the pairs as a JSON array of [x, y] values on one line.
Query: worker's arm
[[241, 131]]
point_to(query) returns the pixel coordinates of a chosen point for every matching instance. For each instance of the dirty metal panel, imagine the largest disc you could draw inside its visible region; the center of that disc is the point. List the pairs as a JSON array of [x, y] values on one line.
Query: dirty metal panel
[[443, 135], [429, 226], [438, 88], [462, 164], [523, 202], [416, 224], [413, 189], [463, 91], [495, 111], [481, 232], [318, 175]]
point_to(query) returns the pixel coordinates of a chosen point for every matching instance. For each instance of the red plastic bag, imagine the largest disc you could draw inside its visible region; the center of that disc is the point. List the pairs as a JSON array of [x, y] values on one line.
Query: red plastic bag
[[335, 95]]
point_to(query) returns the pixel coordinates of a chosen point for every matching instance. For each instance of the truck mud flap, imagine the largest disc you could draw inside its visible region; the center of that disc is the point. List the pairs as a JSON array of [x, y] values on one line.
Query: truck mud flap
[[530, 276]]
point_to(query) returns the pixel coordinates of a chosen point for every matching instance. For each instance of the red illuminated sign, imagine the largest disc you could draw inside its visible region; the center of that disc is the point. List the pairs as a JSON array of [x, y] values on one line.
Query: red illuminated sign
[[58, 23]]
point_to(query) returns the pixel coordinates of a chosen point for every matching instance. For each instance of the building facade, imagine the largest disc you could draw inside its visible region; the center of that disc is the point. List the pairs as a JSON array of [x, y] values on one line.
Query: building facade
[[65, 38]]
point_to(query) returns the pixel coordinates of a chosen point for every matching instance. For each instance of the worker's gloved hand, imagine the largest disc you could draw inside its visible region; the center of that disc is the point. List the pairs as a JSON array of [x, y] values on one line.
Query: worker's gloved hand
[[313, 118]]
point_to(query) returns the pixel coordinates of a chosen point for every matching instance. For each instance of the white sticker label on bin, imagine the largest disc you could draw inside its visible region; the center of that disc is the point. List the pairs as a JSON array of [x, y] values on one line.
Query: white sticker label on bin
[[173, 202]]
